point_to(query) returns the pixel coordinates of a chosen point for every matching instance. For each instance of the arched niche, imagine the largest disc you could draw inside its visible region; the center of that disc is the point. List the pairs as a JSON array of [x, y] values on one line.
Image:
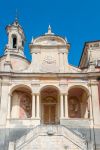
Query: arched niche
[[21, 102], [78, 102]]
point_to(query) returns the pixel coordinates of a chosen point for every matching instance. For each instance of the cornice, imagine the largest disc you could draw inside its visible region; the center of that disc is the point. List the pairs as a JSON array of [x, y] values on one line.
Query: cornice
[[51, 75], [47, 46]]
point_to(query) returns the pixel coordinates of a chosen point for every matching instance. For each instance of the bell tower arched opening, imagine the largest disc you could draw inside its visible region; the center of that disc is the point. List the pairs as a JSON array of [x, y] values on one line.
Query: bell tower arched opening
[[49, 105], [14, 41]]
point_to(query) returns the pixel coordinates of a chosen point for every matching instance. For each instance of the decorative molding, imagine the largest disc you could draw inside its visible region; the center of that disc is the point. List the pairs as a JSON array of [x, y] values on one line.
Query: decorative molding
[[92, 82], [49, 60], [94, 45], [63, 83], [35, 82]]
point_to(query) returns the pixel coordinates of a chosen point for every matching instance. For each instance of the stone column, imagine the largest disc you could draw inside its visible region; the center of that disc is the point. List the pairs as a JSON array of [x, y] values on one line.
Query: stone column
[[38, 106], [95, 102], [66, 105], [9, 106], [33, 106], [61, 107]]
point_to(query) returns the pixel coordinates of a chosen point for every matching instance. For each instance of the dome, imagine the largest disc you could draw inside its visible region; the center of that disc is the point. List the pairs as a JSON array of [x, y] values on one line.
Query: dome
[[18, 63], [49, 39]]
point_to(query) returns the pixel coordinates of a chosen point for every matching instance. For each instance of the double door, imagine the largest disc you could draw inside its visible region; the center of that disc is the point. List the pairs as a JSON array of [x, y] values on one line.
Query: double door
[[49, 113]]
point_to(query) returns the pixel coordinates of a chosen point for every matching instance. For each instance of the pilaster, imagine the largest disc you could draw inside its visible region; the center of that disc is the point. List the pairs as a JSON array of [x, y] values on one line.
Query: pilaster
[[9, 106], [95, 101], [61, 61], [4, 100]]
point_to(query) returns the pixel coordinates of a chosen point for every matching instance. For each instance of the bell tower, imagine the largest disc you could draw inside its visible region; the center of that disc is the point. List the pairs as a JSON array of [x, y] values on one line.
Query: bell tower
[[16, 39]]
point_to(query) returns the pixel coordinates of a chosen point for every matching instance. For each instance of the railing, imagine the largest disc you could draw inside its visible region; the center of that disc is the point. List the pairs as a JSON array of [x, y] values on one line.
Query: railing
[[50, 130]]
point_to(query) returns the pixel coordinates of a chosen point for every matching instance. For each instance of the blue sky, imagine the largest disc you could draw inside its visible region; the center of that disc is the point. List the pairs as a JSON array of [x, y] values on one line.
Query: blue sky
[[78, 20]]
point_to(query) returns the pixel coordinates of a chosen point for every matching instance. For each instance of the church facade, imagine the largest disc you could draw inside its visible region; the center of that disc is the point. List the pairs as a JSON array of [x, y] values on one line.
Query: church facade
[[48, 103]]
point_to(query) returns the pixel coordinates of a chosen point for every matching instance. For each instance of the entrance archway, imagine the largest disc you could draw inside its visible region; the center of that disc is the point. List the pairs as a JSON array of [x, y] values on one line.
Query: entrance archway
[[49, 105]]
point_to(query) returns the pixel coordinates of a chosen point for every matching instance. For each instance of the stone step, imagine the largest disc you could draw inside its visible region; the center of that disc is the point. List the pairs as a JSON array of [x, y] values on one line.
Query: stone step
[[51, 134]]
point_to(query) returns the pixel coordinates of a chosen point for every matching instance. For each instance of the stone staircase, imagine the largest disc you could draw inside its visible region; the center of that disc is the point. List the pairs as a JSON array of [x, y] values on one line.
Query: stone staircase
[[58, 134]]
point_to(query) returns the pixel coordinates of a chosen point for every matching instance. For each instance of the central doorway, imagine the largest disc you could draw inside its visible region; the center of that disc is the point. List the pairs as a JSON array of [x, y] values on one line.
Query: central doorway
[[50, 105], [49, 114]]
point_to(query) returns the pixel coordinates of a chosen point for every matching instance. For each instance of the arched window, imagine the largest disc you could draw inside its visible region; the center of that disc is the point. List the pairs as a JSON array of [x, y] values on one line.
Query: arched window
[[14, 41]]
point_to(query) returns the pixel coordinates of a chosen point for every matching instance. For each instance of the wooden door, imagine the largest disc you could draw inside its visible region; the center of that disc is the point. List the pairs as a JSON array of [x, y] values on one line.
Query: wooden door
[[52, 114], [49, 114], [46, 114]]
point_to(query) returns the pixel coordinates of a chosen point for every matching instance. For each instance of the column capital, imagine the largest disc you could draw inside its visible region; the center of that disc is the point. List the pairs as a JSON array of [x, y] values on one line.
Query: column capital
[[66, 94], [35, 94]]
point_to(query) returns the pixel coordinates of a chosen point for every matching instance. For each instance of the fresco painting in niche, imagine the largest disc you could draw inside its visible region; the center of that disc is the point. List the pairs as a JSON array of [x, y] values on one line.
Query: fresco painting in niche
[[25, 107], [74, 108]]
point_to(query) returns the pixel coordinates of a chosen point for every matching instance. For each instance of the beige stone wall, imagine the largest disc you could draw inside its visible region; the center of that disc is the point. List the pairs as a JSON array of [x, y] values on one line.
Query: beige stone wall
[[17, 63]]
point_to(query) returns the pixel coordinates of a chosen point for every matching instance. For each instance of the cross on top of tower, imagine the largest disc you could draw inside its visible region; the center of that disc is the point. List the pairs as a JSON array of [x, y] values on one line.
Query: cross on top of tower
[[16, 22], [16, 17]]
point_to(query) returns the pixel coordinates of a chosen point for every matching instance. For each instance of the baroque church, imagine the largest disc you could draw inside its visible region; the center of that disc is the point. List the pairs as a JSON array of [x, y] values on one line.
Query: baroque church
[[48, 104]]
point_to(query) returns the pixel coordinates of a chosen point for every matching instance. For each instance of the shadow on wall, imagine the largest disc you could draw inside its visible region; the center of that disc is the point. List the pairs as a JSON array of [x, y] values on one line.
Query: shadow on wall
[[14, 135]]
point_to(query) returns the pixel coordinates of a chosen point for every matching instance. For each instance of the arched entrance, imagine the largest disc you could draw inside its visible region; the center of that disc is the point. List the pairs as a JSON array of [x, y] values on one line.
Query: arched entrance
[[50, 105]]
